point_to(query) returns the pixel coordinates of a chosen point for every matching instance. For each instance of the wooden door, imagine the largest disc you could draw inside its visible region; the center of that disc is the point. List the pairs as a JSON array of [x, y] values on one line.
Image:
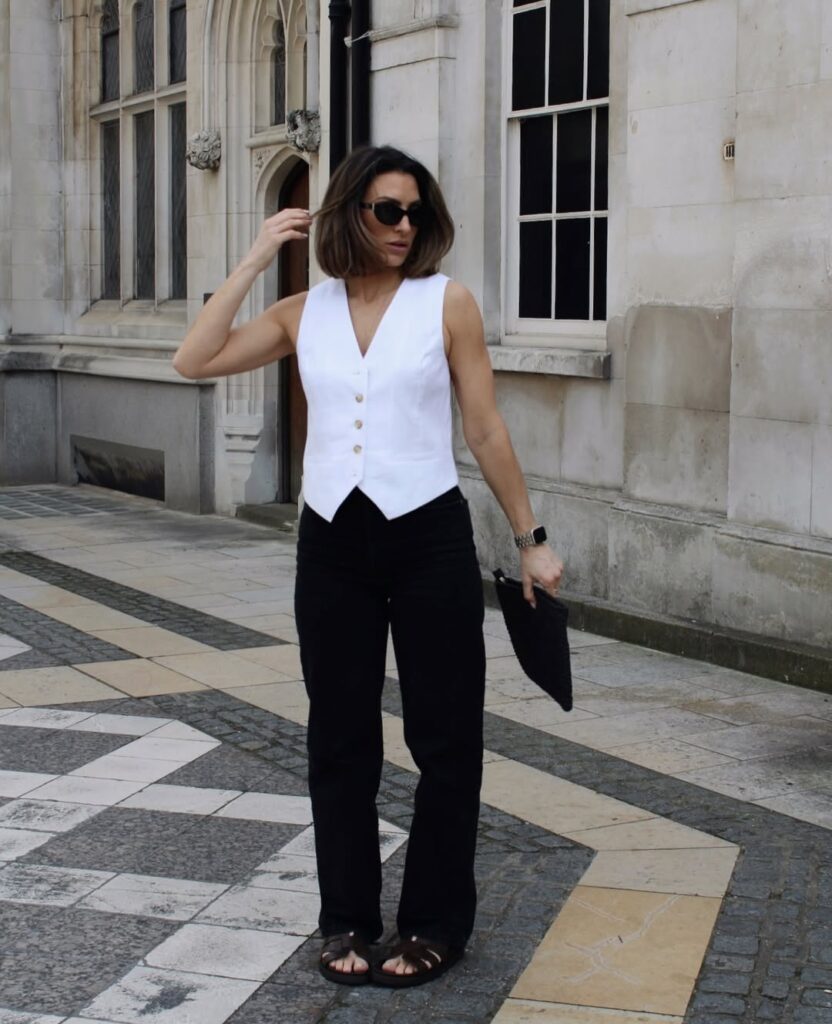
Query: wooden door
[[293, 278]]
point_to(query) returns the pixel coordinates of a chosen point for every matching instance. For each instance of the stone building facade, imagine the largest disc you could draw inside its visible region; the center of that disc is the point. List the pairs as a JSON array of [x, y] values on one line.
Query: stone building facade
[[642, 191]]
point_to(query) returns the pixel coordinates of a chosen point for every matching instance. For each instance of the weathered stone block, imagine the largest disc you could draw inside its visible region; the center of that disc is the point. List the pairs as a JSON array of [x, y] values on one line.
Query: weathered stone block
[[773, 590], [770, 478], [778, 44], [532, 407], [661, 564], [683, 55], [593, 425], [822, 482], [675, 154], [676, 456], [679, 357], [782, 365], [680, 254], [783, 252], [782, 147]]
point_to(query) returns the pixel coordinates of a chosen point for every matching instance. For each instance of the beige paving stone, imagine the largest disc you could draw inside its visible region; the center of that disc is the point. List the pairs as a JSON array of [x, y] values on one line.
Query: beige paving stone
[[273, 625], [552, 803], [151, 641], [670, 756], [221, 669], [813, 807], [622, 950], [141, 678], [59, 685], [89, 617], [627, 700], [702, 872], [46, 596], [7, 702], [747, 742], [524, 1011], [287, 699], [538, 712], [730, 682], [243, 612], [651, 834], [13, 578], [623, 730], [762, 708], [283, 658]]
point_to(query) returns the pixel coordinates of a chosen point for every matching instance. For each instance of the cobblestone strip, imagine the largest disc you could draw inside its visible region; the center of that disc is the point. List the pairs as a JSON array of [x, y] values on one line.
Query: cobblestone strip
[[524, 875], [44, 502], [52, 642], [187, 622]]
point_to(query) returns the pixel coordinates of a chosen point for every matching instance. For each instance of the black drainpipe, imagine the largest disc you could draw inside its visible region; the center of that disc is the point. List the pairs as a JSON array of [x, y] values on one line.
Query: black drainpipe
[[360, 72], [339, 17]]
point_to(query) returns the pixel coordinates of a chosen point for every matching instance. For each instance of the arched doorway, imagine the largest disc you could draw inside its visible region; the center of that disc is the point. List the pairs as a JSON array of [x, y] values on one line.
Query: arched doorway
[[292, 277]]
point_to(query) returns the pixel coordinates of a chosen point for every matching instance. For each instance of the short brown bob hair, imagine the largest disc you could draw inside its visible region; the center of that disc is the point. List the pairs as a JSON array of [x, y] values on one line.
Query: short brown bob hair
[[344, 247]]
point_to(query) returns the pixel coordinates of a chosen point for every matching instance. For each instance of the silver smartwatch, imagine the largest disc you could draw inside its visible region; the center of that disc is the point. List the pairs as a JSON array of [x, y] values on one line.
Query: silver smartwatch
[[530, 538]]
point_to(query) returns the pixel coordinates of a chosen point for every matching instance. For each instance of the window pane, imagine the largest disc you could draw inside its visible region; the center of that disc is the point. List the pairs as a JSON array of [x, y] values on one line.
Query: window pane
[[598, 73], [177, 41], [178, 204], [600, 289], [528, 72], [574, 167], [109, 67], [572, 270], [536, 165], [145, 207], [602, 131], [536, 269], [143, 39], [279, 74], [566, 51], [111, 189]]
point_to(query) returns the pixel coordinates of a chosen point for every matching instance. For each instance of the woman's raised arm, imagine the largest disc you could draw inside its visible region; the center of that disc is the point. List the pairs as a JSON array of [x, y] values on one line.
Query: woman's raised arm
[[212, 348]]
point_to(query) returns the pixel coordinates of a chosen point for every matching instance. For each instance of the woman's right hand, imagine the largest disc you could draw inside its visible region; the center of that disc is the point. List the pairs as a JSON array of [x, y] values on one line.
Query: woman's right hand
[[283, 227]]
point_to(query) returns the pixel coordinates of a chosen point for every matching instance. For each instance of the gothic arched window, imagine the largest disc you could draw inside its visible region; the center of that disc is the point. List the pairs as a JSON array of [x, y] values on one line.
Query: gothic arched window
[[279, 73], [143, 46], [109, 52]]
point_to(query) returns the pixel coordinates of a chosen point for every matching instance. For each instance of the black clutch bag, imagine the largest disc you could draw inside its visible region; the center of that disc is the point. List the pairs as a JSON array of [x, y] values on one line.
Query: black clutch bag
[[538, 636]]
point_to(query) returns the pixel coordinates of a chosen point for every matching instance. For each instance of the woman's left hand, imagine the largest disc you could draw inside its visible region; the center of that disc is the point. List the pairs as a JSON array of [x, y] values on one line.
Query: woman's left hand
[[541, 565]]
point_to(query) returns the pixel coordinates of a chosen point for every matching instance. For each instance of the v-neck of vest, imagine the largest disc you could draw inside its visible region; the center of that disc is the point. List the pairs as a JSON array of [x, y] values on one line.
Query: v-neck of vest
[[363, 355]]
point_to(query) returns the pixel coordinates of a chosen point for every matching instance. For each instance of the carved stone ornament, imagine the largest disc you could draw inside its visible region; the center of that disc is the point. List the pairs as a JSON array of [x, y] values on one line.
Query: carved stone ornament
[[261, 158], [303, 129], [205, 150]]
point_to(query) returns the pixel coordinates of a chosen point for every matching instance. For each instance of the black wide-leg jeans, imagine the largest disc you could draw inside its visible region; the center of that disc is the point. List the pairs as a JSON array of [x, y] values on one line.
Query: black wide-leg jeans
[[416, 575]]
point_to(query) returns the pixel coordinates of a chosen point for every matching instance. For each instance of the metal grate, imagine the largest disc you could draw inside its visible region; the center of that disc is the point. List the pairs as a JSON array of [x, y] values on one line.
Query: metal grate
[[178, 204], [145, 206]]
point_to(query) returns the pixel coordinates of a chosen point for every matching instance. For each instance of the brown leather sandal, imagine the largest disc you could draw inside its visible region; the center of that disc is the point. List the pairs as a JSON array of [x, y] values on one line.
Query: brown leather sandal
[[429, 959], [338, 947]]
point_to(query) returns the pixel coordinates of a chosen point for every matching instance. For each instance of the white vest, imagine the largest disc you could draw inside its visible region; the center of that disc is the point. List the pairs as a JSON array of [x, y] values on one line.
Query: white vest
[[380, 422]]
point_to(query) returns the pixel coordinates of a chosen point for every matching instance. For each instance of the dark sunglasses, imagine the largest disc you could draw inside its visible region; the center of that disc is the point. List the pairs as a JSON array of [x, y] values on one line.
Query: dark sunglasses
[[389, 213]]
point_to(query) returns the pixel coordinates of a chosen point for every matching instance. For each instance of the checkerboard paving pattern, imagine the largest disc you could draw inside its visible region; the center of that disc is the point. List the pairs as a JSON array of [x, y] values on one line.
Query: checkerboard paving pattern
[[220, 940]]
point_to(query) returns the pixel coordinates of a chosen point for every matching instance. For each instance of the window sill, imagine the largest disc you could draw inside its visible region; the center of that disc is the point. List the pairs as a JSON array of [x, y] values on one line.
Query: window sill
[[107, 318], [552, 362]]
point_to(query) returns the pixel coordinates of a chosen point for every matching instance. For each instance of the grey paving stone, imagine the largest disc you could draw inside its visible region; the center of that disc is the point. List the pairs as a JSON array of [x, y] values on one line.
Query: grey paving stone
[[55, 752], [167, 845]]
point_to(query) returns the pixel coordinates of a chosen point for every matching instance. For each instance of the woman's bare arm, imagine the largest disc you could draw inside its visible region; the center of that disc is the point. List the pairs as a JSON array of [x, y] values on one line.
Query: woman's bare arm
[[212, 348], [487, 436]]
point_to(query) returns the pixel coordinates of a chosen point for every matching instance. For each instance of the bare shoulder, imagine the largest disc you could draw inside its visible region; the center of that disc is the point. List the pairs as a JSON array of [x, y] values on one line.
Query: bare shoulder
[[287, 313], [460, 303]]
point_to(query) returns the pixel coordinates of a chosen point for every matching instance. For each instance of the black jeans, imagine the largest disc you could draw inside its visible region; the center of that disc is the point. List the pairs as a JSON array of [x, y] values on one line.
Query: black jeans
[[418, 575]]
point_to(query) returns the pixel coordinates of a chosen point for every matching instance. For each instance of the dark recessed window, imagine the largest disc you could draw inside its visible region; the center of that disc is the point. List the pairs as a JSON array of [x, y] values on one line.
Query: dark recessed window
[[111, 213], [143, 45], [145, 205], [279, 73], [177, 41], [560, 248], [528, 68], [178, 204], [109, 52]]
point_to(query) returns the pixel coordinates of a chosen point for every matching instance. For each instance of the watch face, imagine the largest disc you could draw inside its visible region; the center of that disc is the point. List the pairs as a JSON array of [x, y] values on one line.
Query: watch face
[[539, 535]]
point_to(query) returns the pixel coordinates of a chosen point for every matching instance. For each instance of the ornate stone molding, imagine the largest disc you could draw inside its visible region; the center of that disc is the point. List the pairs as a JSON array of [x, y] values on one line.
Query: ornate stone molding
[[205, 150], [303, 129], [261, 158]]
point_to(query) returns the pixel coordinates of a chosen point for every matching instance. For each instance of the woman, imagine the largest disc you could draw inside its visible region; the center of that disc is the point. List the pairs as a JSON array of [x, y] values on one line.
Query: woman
[[385, 542]]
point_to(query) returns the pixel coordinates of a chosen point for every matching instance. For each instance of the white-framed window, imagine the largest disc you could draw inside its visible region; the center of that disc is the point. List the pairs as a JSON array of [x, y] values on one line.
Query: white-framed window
[[556, 146], [139, 140]]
